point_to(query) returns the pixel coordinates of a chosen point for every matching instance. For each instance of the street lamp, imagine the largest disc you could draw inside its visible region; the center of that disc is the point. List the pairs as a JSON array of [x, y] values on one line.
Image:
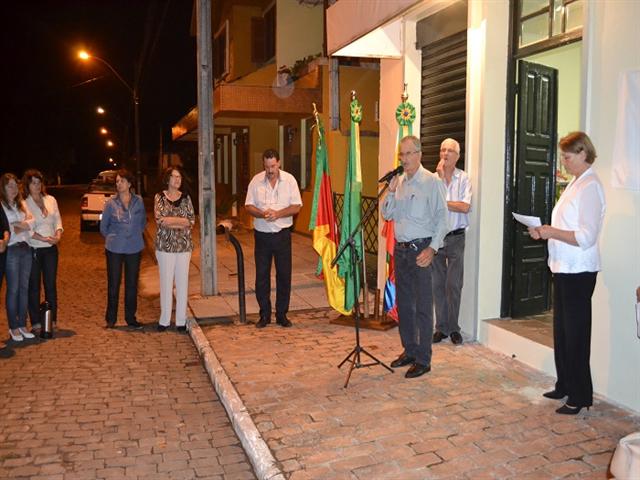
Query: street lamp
[[85, 56], [100, 110], [103, 131], [110, 143]]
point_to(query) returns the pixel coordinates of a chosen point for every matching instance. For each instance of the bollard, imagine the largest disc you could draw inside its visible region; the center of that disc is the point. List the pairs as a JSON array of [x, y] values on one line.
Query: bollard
[[225, 227], [46, 320]]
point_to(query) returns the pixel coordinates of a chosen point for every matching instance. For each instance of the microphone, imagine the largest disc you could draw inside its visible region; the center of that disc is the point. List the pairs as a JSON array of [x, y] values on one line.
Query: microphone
[[391, 174]]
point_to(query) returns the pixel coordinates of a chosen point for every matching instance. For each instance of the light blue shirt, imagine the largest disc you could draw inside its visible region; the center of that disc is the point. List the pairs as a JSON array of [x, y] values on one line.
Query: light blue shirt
[[418, 208]]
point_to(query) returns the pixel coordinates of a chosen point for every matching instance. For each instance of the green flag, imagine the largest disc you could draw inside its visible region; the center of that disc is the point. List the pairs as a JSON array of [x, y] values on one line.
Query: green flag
[[351, 210]]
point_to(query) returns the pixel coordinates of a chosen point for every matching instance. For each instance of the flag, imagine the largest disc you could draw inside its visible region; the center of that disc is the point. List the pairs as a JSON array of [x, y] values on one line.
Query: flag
[[351, 210], [323, 225], [405, 115]]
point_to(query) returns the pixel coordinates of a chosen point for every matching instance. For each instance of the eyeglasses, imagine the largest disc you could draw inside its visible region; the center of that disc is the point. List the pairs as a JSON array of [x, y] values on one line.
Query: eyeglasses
[[406, 154]]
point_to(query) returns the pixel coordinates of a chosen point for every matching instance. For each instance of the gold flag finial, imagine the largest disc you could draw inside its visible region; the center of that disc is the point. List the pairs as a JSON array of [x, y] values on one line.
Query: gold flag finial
[[353, 95], [405, 95]]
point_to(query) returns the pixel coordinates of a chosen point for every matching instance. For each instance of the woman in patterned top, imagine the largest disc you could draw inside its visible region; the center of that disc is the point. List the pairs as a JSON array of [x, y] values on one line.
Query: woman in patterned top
[[175, 218]]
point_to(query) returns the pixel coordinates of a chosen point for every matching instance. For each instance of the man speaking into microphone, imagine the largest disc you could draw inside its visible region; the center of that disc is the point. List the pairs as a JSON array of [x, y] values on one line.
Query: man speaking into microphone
[[416, 202]]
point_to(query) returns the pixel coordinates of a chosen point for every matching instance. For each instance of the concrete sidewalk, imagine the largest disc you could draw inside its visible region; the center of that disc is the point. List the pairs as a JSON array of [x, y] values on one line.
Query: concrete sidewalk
[[477, 415], [308, 290]]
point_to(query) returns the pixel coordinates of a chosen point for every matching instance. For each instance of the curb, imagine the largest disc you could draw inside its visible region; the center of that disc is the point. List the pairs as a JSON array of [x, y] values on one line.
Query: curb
[[264, 464]]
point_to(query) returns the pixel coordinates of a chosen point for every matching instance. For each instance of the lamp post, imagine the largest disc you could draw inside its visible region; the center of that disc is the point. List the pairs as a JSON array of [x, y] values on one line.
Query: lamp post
[[83, 55]]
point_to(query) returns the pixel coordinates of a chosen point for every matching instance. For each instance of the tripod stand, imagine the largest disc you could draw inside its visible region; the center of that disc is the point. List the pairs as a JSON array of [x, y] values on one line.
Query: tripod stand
[[354, 356]]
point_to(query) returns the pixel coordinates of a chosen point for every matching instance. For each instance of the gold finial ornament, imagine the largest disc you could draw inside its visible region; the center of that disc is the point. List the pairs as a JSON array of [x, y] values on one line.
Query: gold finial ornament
[[353, 95], [405, 95]]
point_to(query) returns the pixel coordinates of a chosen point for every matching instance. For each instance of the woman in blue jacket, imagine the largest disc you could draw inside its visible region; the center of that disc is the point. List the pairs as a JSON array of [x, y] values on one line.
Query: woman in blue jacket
[[122, 225]]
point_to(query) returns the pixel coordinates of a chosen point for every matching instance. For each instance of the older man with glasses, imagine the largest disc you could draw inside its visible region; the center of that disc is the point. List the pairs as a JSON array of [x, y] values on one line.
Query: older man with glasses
[[448, 267], [416, 202]]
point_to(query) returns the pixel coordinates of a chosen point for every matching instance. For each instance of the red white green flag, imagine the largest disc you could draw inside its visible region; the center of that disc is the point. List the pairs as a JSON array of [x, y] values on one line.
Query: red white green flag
[[323, 225]]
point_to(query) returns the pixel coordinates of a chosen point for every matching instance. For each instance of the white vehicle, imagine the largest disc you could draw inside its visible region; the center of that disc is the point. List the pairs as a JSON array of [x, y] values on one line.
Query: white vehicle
[[107, 176], [93, 201]]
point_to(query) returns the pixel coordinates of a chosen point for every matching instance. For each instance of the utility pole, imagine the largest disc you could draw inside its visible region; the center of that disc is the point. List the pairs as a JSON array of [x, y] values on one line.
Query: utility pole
[[206, 174]]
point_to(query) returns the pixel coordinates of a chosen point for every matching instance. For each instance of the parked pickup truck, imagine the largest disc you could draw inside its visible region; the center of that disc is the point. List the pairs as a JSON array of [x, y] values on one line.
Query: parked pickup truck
[[93, 201]]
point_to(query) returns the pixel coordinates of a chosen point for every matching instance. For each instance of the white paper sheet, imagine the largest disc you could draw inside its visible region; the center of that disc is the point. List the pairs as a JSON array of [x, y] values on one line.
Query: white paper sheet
[[527, 220], [638, 317]]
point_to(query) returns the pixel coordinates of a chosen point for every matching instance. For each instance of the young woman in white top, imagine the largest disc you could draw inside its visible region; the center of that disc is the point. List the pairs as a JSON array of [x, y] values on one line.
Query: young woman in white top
[[18, 261], [46, 226], [574, 260]]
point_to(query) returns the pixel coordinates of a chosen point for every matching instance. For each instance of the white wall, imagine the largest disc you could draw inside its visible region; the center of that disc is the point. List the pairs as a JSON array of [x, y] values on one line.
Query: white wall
[[299, 31], [486, 93], [611, 46]]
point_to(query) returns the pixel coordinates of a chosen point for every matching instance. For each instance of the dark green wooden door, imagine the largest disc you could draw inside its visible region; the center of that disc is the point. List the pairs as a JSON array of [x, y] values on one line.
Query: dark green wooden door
[[534, 184]]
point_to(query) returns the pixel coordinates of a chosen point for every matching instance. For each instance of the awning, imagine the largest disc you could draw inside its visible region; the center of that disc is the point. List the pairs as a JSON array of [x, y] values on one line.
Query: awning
[[350, 20]]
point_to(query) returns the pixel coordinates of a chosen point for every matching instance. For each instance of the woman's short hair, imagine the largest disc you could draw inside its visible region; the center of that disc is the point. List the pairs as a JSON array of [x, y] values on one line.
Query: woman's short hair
[[166, 174], [577, 142], [28, 176], [127, 175]]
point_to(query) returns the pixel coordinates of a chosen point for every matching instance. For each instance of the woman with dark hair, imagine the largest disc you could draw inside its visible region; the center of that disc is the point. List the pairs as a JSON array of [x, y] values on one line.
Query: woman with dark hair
[[18, 260], [175, 218], [122, 225], [46, 226], [574, 260], [5, 232]]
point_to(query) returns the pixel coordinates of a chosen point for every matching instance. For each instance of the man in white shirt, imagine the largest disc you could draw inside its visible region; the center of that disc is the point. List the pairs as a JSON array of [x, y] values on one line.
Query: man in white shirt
[[273, 198], [448, 265]]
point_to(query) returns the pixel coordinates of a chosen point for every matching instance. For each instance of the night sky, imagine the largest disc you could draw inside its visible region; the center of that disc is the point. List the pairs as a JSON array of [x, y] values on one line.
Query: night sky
[[48, 107]]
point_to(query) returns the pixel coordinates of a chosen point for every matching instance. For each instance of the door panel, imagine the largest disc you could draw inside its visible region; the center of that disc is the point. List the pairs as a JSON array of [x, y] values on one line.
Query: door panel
[[534, 184]]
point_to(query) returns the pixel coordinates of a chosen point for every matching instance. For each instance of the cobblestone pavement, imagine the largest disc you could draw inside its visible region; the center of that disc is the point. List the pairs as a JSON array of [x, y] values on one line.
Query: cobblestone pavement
[[477, 415], [108, 404]]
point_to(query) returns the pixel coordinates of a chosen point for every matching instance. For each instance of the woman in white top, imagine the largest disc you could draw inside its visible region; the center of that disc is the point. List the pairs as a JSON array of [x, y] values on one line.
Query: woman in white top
[[574, 260], [18, 261], [46, 226]]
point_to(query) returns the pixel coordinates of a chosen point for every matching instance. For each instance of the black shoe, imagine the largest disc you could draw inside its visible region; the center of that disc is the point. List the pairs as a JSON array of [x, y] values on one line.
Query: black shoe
[[554, 395], [284, 322], [111, 325], [402, 360], [181, 329], [438, 337], [263, 322], [417, 370], [135, 325], [569, 410], [456, 338], [161, 328]]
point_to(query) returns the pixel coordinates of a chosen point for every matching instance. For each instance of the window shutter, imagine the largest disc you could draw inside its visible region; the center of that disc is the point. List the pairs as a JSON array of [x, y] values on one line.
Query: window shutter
[[257, 40]]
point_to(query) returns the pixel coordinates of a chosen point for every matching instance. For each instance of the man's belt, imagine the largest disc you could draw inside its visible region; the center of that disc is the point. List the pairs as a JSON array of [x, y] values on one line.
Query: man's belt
[[457, 231], [413, 243]]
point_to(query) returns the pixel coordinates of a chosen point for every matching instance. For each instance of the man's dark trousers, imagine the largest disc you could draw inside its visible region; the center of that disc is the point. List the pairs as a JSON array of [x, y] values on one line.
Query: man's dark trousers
[[448, 274], [276, 246], [415, 303]]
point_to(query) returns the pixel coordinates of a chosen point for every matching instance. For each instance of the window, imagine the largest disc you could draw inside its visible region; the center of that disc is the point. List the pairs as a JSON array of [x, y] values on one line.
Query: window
[[263, 36], [221, 52], [540, 20]]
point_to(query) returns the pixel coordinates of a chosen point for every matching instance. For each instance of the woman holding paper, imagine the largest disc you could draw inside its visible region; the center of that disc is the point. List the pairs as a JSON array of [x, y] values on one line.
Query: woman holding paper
[[574, 260]]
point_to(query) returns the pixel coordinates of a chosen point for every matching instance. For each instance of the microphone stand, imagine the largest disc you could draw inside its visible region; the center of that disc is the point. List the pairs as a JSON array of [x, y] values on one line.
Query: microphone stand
[[354, 356]]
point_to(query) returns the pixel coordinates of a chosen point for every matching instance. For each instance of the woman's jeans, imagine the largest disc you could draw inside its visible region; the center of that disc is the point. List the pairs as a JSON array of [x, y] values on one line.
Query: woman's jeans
[[18, 270], [131, 262], [44, 268]]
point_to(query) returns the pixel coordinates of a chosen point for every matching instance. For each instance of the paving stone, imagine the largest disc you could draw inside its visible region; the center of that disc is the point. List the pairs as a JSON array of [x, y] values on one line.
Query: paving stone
[[93, 403]]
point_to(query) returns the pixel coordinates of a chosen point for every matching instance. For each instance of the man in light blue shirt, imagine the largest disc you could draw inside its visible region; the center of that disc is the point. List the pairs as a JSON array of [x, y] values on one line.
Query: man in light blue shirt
[[416, 202]]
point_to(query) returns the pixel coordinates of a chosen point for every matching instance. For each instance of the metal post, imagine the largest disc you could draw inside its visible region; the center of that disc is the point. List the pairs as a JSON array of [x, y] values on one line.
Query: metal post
[[206, 174]]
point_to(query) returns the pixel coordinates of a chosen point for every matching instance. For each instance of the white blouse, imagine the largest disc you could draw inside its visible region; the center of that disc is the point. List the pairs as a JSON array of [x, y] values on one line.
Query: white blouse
[[45, 226], [15, 215], [580, 209]]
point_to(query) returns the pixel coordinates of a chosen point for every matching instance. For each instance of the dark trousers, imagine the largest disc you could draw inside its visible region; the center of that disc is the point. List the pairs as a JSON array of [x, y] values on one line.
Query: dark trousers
[[44, 269], [572, 335], [448, 274], [415, 303], [131, 262], [268, 247]]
